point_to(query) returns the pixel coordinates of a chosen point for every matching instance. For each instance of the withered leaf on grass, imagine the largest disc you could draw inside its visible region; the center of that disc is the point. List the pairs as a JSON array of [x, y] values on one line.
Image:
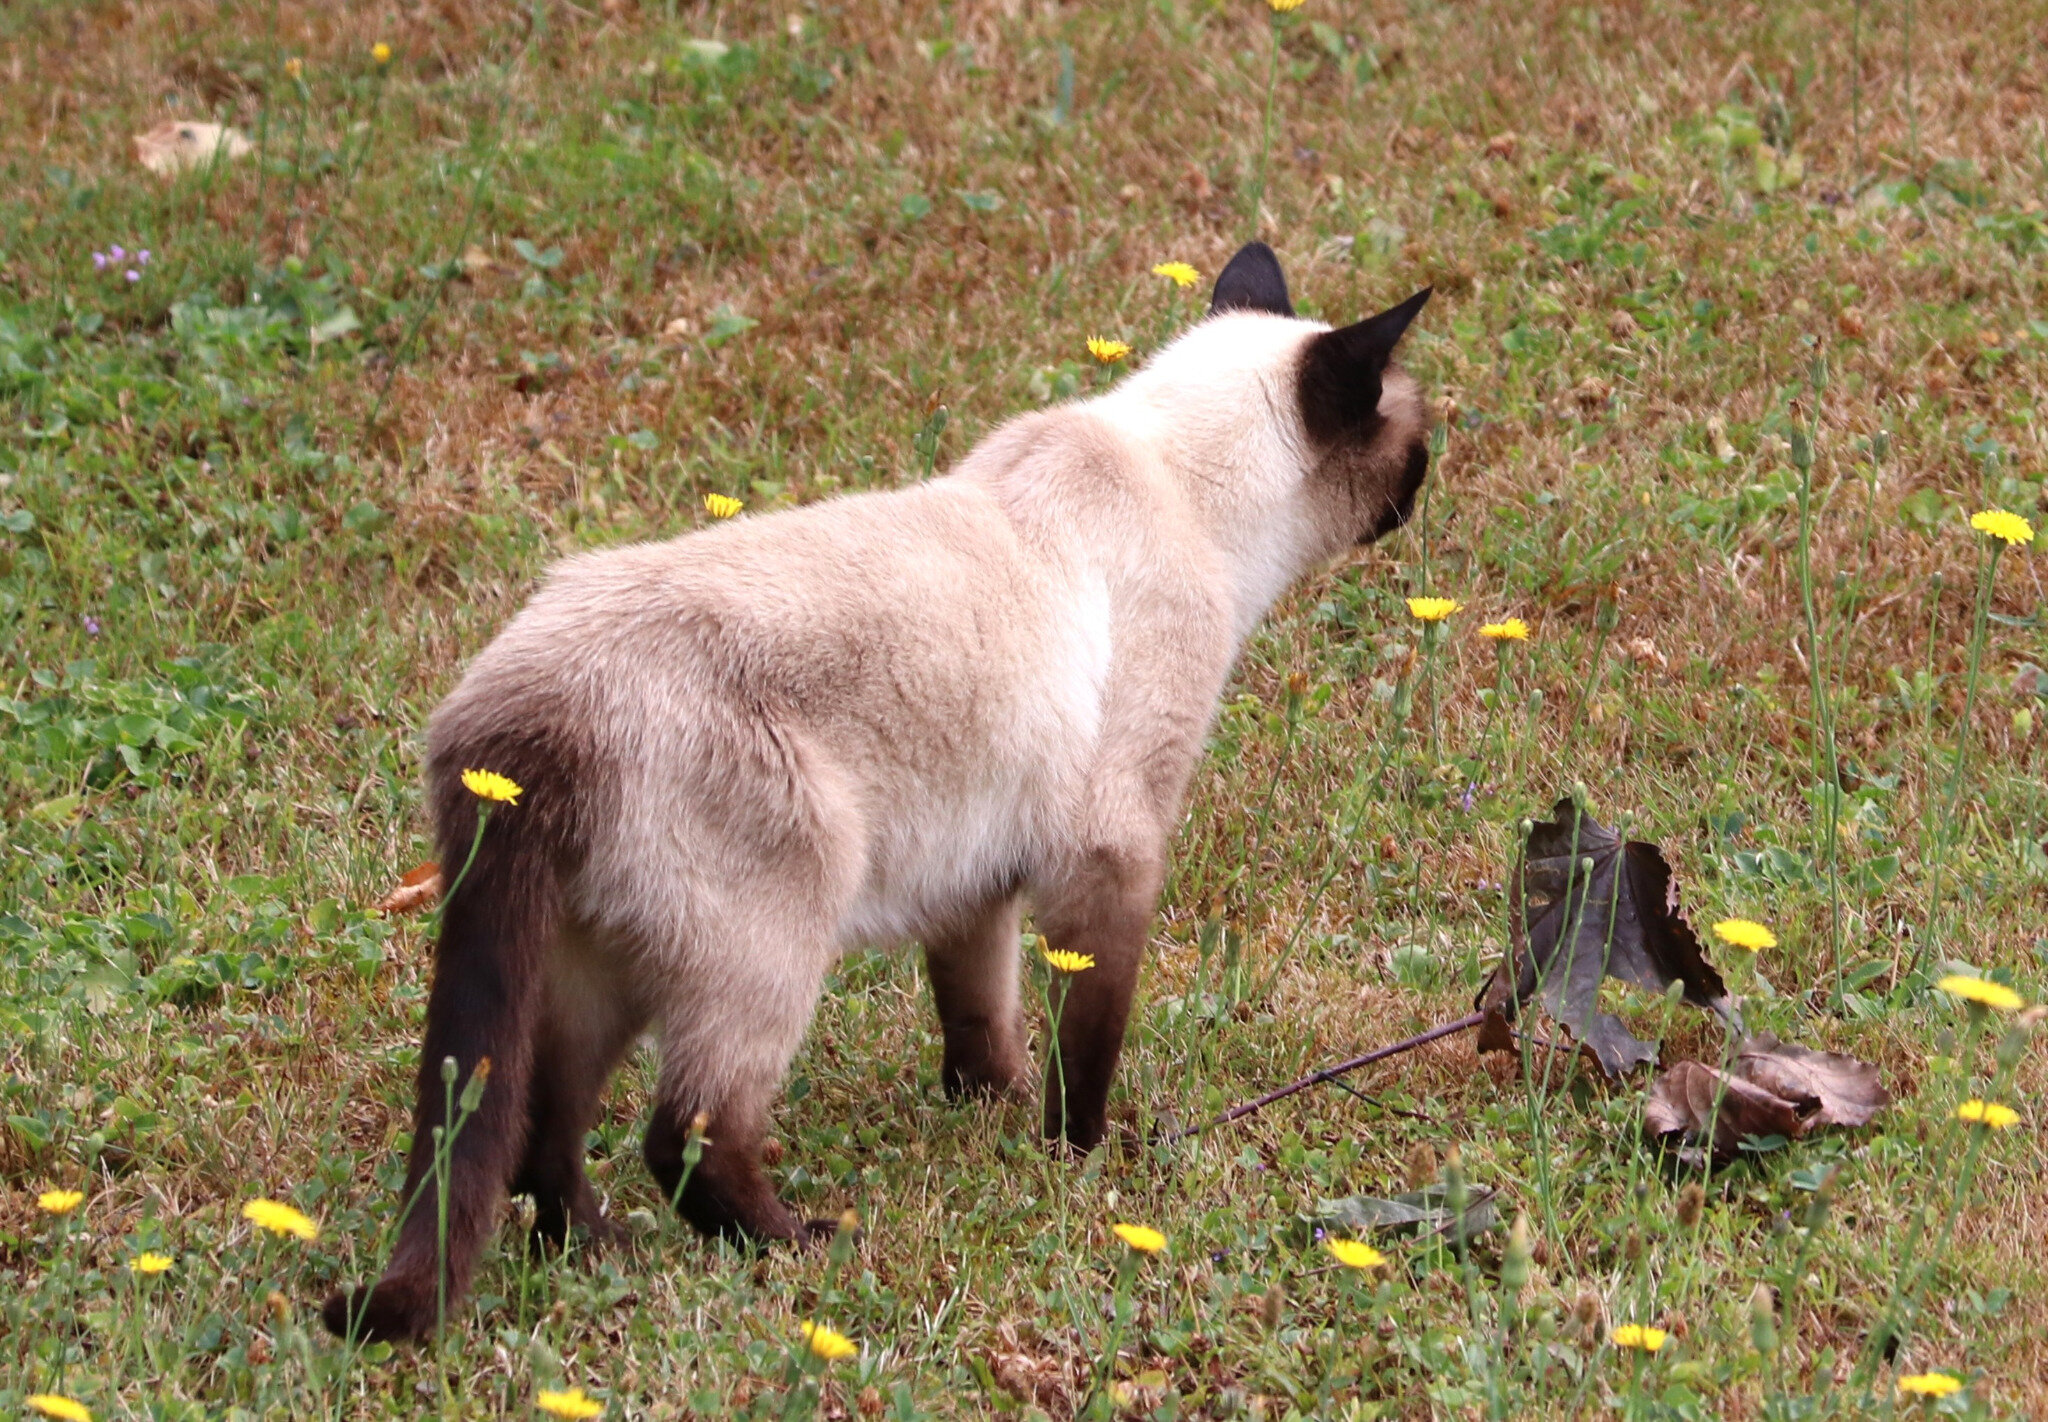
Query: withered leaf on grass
[[1847, 1091], [420, 888], [1427, 1209], [1583, 906], [1772, 1088]]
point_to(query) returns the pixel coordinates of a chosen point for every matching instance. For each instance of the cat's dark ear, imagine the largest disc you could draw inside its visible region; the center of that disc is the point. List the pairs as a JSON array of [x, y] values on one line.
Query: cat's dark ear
[[1341, 369], [1252, 281]]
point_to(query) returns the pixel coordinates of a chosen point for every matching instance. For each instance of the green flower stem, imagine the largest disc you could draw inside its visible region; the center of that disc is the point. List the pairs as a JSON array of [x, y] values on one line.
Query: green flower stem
[[1266, 146], [1924, 950]]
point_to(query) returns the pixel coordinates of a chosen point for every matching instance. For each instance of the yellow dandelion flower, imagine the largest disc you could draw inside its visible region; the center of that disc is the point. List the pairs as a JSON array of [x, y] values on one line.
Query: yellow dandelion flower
[[294, 67], [1637, 1335], [59, 1202], [1988, 1113], [56, 1405], [381, 52], [1142, 1238], [280, 1218], [1745, 933], [722, 505], [1282, 7], [1107, 351], [1930, 1384], [2006, 527], [1432, 609], [1982, 991], [1067, 960], [149, 1262], [1179, 273], [1353, 1254], [568, 1402], [1514, 629], [829, 1344], [489, 785]]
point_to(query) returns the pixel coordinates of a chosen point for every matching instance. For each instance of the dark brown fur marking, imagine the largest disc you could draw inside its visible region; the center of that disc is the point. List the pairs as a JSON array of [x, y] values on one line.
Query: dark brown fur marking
[[495, 928], [973, 973], [1105, 912]]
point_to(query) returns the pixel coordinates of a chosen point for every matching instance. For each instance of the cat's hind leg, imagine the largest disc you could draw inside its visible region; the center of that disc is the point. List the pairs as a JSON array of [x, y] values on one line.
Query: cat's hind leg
[[730, 1030], [973, 971], [589, 1020]]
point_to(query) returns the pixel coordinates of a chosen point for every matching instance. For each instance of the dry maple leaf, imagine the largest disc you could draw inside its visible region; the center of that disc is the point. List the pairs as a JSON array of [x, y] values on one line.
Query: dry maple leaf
[[1584, 906], [177, 144], [417, 890]]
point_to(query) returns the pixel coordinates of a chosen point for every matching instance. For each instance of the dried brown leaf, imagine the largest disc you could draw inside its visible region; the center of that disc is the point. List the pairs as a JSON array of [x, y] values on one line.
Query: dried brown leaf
[[1772, 1089], [1846, 1092], [1584, 906], [420, 888]]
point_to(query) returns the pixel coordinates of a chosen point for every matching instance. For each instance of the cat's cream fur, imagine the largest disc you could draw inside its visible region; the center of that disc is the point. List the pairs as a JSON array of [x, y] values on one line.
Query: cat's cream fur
[[887, 717]]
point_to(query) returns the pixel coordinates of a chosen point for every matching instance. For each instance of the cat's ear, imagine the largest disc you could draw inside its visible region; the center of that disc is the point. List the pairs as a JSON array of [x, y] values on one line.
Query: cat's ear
[[1341, 369], [1252, 281]]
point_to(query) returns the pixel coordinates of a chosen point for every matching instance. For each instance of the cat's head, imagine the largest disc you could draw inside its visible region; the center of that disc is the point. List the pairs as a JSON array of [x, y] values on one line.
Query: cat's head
[[1317, 416], [1364, 420]]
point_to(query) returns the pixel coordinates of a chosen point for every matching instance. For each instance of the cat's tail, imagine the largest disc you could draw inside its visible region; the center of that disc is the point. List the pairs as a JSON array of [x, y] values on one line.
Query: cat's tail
[[498, 924]]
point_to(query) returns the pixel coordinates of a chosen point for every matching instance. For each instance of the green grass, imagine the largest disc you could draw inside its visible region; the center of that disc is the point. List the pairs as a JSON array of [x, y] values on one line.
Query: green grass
[[558, 271]]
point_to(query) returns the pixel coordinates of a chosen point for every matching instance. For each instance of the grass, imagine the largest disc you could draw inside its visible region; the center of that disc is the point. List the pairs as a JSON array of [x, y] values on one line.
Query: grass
[[556, 272]]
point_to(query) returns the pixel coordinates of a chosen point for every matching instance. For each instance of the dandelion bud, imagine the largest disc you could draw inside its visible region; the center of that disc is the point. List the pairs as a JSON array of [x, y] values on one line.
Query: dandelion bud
[[1802, 449], [280, 1307], [1823, 1199], [1632, 1245], [1763, 1319], [2012, 1046], [1692, 1203], [843, 1237], [700, 1124], [1271, 1305], [1421, 1168], [473, 1089], [448, 1071], [1586, 1311], [1516, 1262]]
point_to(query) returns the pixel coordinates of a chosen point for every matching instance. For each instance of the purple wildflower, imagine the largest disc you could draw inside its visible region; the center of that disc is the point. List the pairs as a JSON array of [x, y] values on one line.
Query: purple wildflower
[[114, 253], [132, 274], [99, 261], [1465, 803], [142, 257], [92, 625]]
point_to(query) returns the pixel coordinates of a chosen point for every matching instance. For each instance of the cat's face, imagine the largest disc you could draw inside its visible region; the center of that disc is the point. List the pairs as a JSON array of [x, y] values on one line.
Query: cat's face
[[1311, 413]]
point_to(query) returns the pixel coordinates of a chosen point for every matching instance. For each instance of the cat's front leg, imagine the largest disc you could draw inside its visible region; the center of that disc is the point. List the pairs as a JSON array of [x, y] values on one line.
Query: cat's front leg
[[1102, 909]]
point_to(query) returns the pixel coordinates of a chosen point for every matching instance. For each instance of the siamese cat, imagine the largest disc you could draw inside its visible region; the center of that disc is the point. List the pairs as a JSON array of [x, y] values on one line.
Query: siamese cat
[[889, 716]]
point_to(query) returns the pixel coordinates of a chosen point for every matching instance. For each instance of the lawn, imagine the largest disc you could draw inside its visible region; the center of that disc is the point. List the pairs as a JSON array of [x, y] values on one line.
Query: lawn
[[1741, 313]]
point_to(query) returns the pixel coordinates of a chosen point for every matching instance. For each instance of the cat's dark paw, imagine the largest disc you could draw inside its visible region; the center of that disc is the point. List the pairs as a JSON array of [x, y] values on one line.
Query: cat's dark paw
[[392, 1312]]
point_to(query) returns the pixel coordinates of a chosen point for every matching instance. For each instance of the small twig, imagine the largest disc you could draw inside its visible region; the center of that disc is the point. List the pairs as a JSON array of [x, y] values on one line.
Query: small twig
[[1344, 1085], [1378, 1054]]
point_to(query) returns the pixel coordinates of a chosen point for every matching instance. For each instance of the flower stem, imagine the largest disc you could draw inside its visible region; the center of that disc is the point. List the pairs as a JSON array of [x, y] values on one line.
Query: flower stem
[[1931, 941], [1266, 147]]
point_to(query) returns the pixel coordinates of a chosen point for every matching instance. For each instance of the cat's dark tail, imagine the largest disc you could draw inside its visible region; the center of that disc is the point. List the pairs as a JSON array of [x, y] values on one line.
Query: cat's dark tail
[[496, 929]]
